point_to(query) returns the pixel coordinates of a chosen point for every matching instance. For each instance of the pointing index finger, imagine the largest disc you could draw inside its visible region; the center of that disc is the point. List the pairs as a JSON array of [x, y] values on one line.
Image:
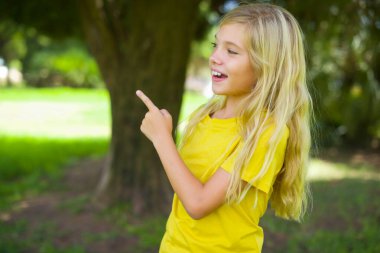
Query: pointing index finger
[[149, 104]]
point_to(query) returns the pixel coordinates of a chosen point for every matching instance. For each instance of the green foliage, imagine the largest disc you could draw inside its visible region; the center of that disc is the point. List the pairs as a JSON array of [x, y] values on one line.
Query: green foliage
[[47, 62], [58, 19], [13, 46], [343, 55], [63, 64]]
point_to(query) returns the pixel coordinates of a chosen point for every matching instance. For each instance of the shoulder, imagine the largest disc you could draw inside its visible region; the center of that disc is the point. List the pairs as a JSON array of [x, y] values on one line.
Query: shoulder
[[274, 134]]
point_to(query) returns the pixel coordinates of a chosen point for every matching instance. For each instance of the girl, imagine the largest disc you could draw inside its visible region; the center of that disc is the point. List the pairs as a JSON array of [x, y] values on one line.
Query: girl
[[249, 144]]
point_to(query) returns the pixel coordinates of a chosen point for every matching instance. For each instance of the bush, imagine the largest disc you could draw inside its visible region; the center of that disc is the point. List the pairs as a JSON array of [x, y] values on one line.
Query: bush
[[64, 64]]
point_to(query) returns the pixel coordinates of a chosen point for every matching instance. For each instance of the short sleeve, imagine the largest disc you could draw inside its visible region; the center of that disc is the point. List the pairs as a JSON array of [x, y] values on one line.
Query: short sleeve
[[257, 160]]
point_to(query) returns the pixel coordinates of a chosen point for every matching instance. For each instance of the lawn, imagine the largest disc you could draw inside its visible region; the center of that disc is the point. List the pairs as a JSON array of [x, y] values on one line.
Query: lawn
[[44, 133], [43, 130]]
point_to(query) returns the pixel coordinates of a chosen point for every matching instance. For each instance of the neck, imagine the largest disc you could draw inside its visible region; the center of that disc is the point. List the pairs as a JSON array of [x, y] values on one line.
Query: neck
[[230, 108]]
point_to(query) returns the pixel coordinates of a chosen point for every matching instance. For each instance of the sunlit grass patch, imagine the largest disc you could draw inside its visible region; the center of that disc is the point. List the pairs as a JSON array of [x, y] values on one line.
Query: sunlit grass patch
[[191, 101], [65, 112], [61, 94], [325, 170], [28, 164], [59, 113]]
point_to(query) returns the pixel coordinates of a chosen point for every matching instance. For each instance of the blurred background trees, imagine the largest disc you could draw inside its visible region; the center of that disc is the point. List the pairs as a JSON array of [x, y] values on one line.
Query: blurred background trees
[[344, 53], [136, 45], [125, 45]]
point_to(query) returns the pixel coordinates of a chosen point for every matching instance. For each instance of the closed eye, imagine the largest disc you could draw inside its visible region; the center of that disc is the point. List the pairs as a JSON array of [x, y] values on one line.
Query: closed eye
[[230, 51]]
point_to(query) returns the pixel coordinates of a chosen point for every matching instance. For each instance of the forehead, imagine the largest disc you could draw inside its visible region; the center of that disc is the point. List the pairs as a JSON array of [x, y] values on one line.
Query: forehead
[[234, 33]]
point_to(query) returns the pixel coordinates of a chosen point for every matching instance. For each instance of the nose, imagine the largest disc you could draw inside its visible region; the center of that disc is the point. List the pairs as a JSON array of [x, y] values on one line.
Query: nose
[[214, 58]]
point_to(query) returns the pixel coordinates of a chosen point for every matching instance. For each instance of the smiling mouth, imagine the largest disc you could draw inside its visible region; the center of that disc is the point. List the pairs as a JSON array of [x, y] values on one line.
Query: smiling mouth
[[218, 76]]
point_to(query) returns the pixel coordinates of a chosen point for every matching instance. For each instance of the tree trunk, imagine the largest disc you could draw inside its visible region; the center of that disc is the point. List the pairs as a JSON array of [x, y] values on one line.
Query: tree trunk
[[138, 45]]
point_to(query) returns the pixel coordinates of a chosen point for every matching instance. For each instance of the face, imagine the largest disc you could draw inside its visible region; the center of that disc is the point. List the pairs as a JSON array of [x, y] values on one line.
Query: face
[[231, 71]]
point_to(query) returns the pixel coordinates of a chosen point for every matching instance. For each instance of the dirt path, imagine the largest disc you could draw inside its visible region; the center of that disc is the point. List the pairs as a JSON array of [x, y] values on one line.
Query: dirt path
[[66, 219]]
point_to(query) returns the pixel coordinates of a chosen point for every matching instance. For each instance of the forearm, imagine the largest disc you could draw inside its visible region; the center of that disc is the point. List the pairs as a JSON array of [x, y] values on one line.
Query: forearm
[[188, 188], [199, 199]]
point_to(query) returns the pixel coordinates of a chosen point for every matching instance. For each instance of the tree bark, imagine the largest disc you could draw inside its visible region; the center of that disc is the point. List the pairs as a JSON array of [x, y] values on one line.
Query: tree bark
[[138, 45]]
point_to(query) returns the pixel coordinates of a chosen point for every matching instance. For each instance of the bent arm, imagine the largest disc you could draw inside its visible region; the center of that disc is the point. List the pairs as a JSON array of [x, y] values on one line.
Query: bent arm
[[198, 199]]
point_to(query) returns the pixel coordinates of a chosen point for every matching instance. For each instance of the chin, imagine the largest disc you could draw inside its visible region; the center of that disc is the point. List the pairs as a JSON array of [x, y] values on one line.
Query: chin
[[217, 91]]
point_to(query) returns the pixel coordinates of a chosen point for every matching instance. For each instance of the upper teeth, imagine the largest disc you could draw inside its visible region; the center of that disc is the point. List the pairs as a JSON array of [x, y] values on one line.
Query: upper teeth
[[214, 73]]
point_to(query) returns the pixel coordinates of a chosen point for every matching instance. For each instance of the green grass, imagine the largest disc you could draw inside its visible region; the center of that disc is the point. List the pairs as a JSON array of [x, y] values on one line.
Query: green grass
[[54, 113], [54, 95], [43, 131], [13, 239], [345, 218], [29, 165], [191, 101]]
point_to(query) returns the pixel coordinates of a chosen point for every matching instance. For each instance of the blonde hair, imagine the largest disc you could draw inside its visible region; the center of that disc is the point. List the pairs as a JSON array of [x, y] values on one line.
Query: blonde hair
[[280, 96]]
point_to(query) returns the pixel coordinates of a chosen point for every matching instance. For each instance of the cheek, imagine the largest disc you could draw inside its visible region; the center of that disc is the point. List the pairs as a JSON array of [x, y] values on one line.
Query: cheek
[[252, 72], [247, 77], [248, 84], [243, 75]]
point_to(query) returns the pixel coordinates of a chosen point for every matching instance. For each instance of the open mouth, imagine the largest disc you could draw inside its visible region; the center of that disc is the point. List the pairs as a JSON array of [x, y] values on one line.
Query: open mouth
[[218, 76]]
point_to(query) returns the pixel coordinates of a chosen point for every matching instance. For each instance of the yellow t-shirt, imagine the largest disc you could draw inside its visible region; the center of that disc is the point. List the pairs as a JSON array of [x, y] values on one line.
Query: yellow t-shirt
[[230, 228]]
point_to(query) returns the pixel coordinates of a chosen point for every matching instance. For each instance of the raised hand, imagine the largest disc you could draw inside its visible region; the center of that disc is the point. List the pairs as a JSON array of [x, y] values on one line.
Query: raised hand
[[157, 123]]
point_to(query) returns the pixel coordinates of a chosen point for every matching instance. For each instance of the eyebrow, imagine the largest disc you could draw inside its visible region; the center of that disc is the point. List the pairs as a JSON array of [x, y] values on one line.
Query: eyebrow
[[229, 43]]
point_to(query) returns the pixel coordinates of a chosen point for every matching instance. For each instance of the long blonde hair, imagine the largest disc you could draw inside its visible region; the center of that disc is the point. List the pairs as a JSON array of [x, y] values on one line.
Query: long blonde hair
[[280, 95]]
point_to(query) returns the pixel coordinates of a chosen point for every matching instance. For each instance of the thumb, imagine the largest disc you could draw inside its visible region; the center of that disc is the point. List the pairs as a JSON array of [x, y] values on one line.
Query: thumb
[[165, 113], [168, 119]]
